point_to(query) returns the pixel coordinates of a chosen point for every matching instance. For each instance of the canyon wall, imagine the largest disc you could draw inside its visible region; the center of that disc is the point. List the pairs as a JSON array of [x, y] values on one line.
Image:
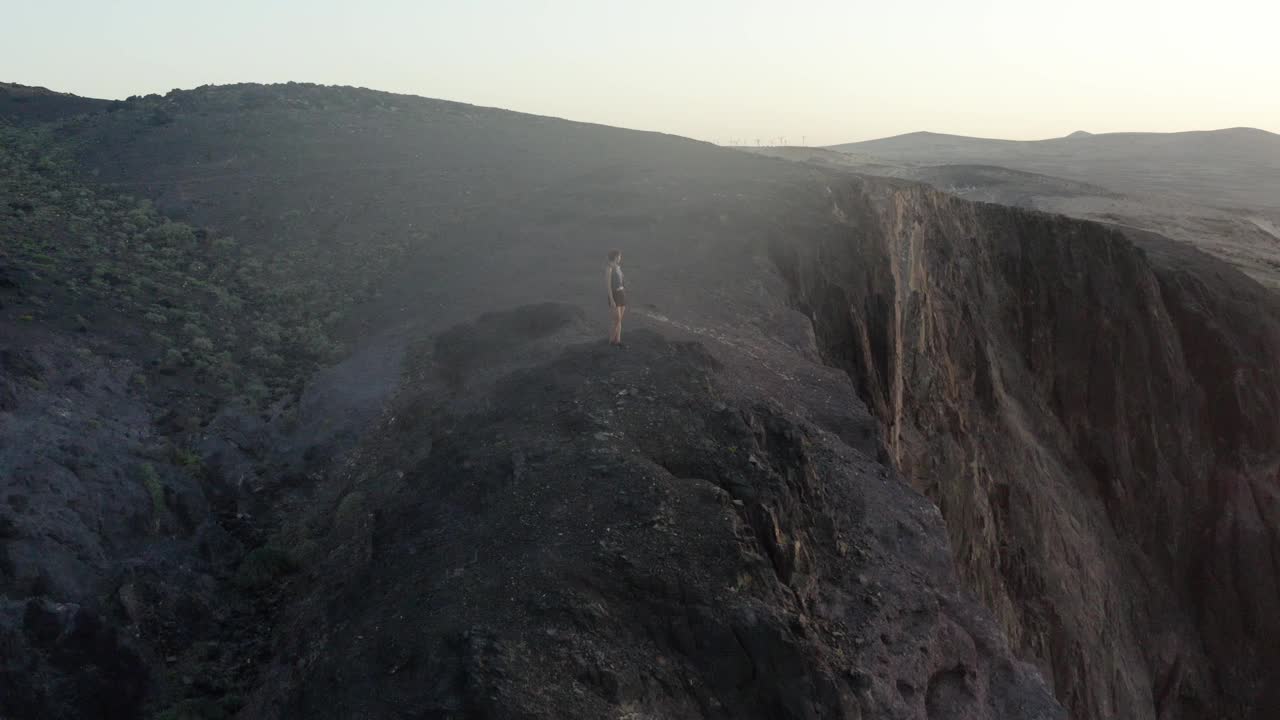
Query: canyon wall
[[1096, 415]]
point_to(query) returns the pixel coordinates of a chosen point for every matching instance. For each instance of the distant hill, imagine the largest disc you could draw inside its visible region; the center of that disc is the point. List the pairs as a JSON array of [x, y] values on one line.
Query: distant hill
[[1207, 208], [26, 105], [1233, 167], [988, 183]]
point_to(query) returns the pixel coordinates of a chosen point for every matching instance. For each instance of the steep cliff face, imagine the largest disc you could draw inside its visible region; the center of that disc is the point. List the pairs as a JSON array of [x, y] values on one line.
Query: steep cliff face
[[1098, 418]]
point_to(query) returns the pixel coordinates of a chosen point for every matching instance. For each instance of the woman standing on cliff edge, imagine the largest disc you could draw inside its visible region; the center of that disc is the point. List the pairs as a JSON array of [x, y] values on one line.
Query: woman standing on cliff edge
[[617, 295]]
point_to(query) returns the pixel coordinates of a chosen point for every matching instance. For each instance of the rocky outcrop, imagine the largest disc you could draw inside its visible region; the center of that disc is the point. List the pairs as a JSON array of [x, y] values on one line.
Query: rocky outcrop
[[546, 527], [113, 558], [1098, 418], [60, 660], [64, 509]]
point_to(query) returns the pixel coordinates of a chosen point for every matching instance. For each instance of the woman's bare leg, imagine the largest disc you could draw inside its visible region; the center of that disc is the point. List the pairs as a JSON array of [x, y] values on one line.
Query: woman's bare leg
[[617, 334]]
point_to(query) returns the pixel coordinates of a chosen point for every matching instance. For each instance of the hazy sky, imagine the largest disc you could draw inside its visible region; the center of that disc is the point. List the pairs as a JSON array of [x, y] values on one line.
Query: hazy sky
[[823, 71]]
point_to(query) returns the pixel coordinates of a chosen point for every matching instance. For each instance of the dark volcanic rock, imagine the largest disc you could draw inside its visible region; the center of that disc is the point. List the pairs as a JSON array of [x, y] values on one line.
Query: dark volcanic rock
[[108, 550], [595, 533], [62, 662]]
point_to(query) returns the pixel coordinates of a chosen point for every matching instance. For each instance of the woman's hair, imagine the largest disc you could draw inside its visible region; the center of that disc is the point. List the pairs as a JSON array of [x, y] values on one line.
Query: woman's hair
[[614, 255]]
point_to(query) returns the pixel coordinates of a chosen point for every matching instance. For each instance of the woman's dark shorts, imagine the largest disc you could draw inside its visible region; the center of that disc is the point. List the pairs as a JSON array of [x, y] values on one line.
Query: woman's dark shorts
[[619, 298]]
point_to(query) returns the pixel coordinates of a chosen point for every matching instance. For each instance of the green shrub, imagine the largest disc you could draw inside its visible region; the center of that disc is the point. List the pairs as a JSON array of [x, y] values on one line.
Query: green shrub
[[186, 457], [174, 234], [262, 567], [268, 331], [150, 479]]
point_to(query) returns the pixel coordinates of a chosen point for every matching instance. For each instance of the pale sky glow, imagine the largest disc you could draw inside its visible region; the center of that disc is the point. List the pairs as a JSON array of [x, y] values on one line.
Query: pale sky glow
[[827, 71]]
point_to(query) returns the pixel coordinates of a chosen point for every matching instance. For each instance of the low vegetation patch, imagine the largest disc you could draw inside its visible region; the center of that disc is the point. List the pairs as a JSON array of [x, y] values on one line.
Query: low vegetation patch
[[263, 567], [206, 311]]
